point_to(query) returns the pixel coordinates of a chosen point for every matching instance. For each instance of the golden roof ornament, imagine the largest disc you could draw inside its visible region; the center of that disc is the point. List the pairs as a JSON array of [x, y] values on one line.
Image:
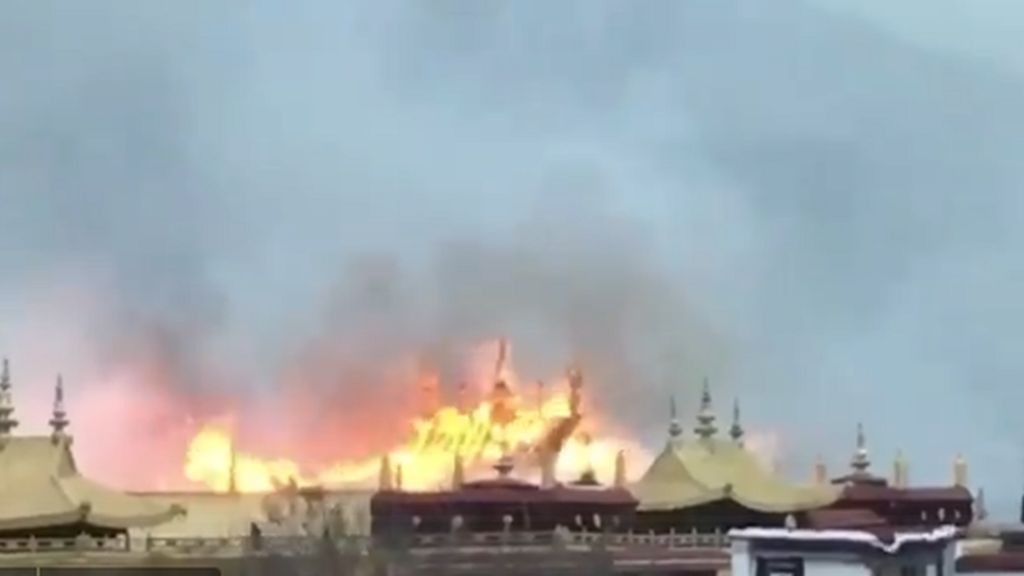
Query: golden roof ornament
[[59, 421], [575, 377], [899, 471], [675, 429], [7, 421], [705, 428], [458, 472], [860, 461], [385, 482], [233, 469], [620, 469], [547, 467], [960, 471], [820, 471], [980, 510], [736, 430]]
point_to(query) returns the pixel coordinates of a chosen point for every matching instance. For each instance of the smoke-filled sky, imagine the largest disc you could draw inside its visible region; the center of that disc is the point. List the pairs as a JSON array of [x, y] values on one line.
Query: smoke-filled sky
[[816, 204]]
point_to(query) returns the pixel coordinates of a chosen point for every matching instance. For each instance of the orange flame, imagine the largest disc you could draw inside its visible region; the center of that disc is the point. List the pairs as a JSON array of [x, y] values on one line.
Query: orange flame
[[480, 435]]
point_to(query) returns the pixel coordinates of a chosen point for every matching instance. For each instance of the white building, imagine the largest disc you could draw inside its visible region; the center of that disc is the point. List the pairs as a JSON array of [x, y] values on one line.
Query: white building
[[784, 552]]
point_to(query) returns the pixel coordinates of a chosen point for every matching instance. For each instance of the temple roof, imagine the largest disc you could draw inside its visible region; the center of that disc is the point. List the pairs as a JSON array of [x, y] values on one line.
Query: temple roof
[[42, 487], [708, 468]]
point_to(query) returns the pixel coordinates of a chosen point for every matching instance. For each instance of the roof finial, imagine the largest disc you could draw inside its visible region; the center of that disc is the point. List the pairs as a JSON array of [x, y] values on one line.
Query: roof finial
[[458, 473], [736, 430], [385, 484], [59, 420], [899, 471], [575, 377], [820, 471], [960, 471], [620, 469], [980, 510], [7, 421], [232, 468], [675, 430], [705, 428], [860, 461]]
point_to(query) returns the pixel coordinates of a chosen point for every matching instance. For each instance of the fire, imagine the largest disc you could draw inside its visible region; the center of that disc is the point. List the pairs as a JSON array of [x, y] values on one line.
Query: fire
[[480, 434]]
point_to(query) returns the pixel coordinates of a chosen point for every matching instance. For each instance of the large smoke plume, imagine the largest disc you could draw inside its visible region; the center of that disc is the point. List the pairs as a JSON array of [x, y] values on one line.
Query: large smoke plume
[[289, 205]]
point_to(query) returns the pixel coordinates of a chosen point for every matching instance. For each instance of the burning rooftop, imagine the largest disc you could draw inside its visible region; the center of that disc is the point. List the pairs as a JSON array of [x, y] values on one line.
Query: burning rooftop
[[548, 431]]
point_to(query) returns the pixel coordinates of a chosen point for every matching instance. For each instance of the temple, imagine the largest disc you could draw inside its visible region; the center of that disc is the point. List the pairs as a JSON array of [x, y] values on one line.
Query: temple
[[712, 484], [45, 496]]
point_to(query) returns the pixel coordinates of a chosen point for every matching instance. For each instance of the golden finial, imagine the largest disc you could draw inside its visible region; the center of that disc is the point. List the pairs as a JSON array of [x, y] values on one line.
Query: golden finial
[[899, 471], [620, 469], [675, 430], [980, 510], [7, 421], [860, 461], [960, 471], [736, 430], [458, 474], [548, 459], [820, 471], [385, 483], [705, 428], [59, 421]]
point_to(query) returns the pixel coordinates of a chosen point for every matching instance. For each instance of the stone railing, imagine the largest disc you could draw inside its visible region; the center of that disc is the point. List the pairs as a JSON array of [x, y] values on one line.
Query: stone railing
[[614, 540], [79, 544], [295, 545]]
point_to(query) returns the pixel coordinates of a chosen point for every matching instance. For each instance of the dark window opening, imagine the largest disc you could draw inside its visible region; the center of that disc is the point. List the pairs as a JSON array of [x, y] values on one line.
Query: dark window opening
[[780, 567]]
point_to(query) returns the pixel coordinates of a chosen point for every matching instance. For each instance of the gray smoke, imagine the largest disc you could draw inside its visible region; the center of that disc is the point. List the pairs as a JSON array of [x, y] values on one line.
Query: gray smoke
[[814, 203]]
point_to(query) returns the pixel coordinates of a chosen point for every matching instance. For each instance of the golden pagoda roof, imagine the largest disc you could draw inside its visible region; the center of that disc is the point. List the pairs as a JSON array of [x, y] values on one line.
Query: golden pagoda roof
[[704, 470], [42, 487]]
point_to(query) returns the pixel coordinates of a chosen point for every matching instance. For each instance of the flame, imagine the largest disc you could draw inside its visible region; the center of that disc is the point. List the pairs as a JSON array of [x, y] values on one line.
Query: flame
[[480, 435]]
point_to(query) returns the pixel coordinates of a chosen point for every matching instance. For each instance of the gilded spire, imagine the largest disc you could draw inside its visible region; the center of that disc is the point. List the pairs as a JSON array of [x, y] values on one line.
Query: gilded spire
[[385, 483], [232, 467], [620, 469], [899, 471], [548, 459], [705, 428], [59, 420], [820, 471], [575, 377], [980, 510], [860, 461], [675, 430], [7, 421], [736, 430], [960, 471], [458, 473]]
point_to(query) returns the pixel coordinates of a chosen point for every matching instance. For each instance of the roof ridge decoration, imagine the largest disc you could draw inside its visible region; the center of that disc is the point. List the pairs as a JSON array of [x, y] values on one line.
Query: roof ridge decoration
[[59, 421], [675, 429], [7, 421], [736, 430], [860, 461], [705, 428]]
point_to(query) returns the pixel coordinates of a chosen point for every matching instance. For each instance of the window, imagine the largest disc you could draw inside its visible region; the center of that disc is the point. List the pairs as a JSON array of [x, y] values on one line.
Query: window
[[780, 567]]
